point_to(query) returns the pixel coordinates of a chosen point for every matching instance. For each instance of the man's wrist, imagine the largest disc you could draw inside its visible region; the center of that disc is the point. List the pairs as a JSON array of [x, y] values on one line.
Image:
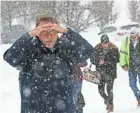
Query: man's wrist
[[31, 34], [65, 30]]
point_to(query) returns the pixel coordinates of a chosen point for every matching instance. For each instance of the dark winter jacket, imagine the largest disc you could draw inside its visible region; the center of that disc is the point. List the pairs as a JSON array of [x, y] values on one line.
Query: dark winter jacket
[[77, 72], [135, 56], [46, 74], [110, 57]]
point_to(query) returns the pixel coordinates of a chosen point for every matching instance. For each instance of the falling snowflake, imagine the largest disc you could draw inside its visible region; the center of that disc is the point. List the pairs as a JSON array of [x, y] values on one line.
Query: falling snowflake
[[23, 49], [14, 47], [14, 61], [72, 43], [62, 82], [42, 64], [27, 92], [58, 73], [57, 61], [60, 104]]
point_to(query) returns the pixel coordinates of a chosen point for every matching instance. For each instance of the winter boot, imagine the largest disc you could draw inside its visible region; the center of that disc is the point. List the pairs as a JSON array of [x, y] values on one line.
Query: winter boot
[[138, 104], [110, 108]]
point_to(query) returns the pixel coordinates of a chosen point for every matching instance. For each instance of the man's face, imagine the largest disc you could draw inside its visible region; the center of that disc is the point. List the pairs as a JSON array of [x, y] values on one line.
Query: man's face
[[105, 45], [49, 37], [134, 36]]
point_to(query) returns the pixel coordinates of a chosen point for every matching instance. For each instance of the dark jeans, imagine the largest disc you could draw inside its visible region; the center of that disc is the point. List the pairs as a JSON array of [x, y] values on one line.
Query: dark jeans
[[133, 83], [108, 98], [77, 86], [76, 90]]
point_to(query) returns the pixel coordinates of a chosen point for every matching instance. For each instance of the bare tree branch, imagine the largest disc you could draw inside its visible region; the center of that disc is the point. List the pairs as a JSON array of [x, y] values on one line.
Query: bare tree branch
[[133, 9]]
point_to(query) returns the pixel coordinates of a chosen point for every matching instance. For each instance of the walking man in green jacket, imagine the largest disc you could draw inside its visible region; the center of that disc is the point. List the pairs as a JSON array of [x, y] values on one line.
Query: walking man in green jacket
[[130, 60]]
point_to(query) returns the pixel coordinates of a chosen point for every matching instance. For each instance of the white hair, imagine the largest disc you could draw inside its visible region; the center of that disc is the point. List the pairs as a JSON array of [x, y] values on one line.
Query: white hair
[[134, 30]]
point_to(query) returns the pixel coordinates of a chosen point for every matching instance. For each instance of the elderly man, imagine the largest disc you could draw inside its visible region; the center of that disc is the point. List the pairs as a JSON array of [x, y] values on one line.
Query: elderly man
[[45, 62], [130, 60]]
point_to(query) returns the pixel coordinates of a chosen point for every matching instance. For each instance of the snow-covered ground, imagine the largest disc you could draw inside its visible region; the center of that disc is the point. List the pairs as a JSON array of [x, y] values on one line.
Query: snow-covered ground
[[124, 100]]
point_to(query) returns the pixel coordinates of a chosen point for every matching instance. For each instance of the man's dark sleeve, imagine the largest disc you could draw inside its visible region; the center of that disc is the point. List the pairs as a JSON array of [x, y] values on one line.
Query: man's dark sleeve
[[17, 54], [116, 55], [78, 49], [94, 57]]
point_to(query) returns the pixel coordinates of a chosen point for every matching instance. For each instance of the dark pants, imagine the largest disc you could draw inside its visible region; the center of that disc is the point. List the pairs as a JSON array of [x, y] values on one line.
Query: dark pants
[[108, 98], [133, 83], [76, 92], [77, 86]]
